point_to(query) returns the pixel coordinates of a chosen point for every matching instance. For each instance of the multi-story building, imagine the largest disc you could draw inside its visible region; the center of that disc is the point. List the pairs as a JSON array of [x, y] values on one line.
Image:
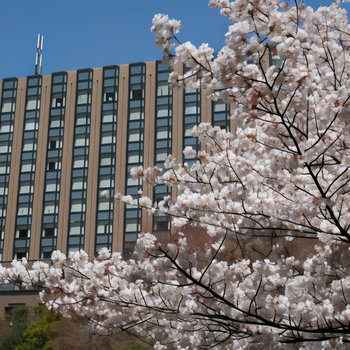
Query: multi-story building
[[67, 137]]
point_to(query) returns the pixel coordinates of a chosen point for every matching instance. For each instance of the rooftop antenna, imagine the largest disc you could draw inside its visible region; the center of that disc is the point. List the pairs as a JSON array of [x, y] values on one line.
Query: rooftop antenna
[[39, 54]]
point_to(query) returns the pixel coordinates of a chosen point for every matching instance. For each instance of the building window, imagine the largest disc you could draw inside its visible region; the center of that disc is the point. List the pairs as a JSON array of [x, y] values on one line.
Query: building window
[[20, 255], [33, 103], [59, 102], [83, 98], [46, 255], [23, 233], [221, 115], [161, 223], [109, 97], [7, 107], [49, 232], [51, 166], [136, 94]]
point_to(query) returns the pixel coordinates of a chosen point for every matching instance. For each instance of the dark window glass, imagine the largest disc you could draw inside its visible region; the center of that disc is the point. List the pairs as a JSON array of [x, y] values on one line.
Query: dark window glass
[[49, 232], [47, 255], [136, 94], [20, 255], [23, 233], [109, 97]]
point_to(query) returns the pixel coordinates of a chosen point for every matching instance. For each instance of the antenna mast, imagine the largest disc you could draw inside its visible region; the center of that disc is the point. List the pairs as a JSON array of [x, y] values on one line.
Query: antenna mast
[[39, 54]]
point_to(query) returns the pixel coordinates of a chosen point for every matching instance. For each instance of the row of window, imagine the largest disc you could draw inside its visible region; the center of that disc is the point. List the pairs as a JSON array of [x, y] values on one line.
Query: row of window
[[53, 165], [77, 214], [7, 115], [163, 132], [220, 115], [107, 154], [27, 175], [134, 153]]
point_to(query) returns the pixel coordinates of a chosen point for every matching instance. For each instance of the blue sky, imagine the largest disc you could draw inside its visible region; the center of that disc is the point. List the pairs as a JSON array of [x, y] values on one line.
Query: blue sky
[[92, 33]]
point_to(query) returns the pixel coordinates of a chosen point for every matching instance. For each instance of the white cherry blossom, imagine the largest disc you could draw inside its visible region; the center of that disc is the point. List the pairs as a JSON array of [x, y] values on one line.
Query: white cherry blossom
[[270, 202]]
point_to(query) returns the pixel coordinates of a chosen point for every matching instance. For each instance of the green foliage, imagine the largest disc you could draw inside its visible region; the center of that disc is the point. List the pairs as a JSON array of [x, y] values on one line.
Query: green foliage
[[13, 335], [29, 329], [41, 329], [36, 335]]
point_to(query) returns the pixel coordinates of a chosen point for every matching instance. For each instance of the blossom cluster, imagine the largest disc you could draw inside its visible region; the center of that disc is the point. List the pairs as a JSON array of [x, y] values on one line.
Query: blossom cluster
[[272, 199]]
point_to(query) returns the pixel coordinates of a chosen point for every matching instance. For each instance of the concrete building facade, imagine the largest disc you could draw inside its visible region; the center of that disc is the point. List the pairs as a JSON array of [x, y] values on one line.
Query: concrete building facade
[[67, 137]]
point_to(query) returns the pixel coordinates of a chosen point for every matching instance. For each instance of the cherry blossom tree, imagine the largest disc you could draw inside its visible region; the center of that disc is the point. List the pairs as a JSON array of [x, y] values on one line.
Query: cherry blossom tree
[[273, 198]]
